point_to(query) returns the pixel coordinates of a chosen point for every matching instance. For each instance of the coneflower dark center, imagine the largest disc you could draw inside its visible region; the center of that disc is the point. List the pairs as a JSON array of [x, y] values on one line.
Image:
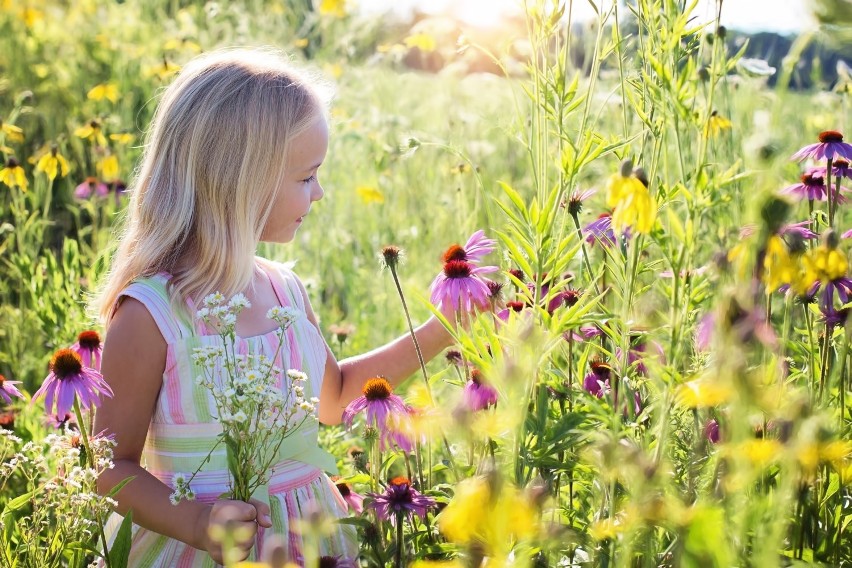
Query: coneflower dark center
[[11, 163], [457, 269], [344, 489], [377, 389], [600, 368], [830, 136], [401, 480], [455, 252], [811, 180], [89, 339], [66, 363]]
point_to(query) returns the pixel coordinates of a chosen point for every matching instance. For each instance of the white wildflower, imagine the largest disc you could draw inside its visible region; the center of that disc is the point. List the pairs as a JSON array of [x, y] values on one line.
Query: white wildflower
[[297, 376], [238, 302], [214, 299]]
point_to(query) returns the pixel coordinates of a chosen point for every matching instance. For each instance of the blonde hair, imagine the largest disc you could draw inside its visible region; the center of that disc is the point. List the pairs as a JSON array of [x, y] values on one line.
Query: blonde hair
[[214, 157]]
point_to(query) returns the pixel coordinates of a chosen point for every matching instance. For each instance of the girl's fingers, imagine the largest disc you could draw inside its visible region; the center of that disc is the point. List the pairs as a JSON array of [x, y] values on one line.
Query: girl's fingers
[[264, 518]]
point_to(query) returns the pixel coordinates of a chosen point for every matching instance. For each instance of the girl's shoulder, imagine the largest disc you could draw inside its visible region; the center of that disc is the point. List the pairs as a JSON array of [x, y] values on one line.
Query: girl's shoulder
[[152, 291], [286, 277]]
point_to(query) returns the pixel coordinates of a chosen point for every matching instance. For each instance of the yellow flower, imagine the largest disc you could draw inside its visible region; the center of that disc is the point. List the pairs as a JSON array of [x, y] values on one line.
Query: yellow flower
[[370, 194], [161, 71], [177, 44], [104, 91], [13, 175], [475, 515], [335, 8], [122, 138], [52, 164], [703, 393], [12, 132], [300, 42], [779, 267], [30, 16], [761, 452], [108, 166], [633, 205], [716, 124], [606, 529], [93, 132], [824, 263], [422, 41]]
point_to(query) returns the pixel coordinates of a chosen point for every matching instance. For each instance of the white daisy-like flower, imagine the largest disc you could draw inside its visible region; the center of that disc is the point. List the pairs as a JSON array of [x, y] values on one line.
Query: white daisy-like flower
[[214, 299], [238, 302], [297, 376]]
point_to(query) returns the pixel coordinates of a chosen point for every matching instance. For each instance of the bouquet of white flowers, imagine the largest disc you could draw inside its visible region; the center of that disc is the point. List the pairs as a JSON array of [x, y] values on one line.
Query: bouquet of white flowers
[[256, 414]]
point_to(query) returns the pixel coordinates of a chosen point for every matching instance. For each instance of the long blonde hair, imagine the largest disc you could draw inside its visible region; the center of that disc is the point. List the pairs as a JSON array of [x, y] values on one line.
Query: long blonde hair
[[214, 157]]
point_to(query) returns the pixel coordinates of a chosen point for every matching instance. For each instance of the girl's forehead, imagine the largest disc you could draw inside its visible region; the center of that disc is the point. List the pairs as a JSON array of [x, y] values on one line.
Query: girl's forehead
[[308, 148]]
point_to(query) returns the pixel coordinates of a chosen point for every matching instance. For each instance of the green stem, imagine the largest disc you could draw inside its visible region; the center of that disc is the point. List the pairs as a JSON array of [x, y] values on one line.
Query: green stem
[[90, 459]]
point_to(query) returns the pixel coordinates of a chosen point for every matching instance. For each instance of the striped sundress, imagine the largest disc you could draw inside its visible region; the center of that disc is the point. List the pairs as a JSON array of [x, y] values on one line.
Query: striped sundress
[[183, 429]]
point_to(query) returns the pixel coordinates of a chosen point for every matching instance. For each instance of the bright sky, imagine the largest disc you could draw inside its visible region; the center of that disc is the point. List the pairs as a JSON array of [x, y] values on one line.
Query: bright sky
[[782, 16]]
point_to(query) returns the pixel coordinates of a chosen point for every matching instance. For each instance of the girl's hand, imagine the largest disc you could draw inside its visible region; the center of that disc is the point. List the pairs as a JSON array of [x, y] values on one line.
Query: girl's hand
[[239, 520]]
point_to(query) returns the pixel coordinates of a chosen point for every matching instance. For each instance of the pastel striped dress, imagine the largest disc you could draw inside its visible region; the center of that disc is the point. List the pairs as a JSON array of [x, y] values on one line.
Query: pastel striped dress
[[184, 427]]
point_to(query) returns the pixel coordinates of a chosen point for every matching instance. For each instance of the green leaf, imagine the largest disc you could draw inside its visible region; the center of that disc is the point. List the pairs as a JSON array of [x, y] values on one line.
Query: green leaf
[[120, 551]]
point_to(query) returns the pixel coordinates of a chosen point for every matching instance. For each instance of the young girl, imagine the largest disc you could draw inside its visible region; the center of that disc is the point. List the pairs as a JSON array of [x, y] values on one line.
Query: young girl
[[231, 160]]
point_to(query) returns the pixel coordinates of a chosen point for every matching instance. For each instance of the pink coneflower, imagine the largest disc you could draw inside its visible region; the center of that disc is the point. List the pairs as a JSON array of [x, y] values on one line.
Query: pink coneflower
[[800, 229], [68, 378], [58, 422], [398, 499], [513, 306], [812, 188], [8, 390], [88, 346], [597, 382], [460, 286], [829, 147], [379, 402], [568, 297], [475, 249], [839, 169], [842, 288], [600, 231], [478, 394], [90, 186], [711, 431], [353, 499], [575, 202], [336, 562]]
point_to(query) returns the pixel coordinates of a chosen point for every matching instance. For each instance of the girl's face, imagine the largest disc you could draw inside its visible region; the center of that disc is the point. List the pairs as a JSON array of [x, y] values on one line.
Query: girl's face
[[301, 186]]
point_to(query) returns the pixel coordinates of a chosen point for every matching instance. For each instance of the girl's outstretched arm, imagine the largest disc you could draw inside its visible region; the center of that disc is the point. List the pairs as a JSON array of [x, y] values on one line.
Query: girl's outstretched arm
[[133, 363], [396, 361]]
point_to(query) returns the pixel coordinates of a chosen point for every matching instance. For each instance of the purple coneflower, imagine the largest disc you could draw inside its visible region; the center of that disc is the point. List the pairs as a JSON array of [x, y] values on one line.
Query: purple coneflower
[[568, 297], [513, 306], [380, 403], [812, 188], [58, 422], [88, 346], [597, 382], [8, 390], [600, 231], [400, 498], [711, 431], [460, 286], [69, 378], [842, 287], [800, 229], [829, 147], [478, 394], [336, 562], [90, 186], [475, 249], [575, 202], [839, 169], [353, 499]]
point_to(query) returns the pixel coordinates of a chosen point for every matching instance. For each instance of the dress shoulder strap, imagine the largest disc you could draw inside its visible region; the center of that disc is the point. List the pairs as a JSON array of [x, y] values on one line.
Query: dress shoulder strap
[[285, 283], [153, 293]]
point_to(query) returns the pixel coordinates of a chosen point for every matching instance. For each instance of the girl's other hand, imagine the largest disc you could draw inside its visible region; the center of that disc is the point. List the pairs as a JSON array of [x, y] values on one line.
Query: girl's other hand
[[239, 519]]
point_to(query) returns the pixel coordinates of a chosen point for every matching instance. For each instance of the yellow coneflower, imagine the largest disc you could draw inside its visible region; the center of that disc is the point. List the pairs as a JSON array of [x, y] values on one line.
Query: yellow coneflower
[[716, 124], [103, 91], [52, 164], [12, 132], [335, 8], [370, 194], [163, 71], [108, 166], [179, 44], [13, 175], [122, 138], [422, 41], [779, 266], [93, 132], [628, 194]]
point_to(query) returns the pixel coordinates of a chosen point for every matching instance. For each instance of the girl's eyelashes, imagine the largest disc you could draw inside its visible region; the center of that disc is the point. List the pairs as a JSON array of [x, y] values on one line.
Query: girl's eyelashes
[[310, 179]]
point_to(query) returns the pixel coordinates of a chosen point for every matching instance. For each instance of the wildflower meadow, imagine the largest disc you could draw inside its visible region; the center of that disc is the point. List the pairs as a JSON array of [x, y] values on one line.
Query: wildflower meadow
[[637, 235]]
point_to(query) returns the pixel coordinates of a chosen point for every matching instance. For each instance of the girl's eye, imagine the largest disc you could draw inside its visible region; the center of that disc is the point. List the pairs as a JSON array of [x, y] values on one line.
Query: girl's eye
[[310, 179]]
